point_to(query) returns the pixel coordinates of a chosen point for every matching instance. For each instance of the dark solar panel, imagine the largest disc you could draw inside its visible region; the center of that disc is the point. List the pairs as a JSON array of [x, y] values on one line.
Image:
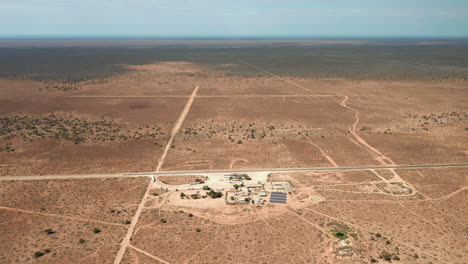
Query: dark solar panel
[[280, 193], [278, 201]]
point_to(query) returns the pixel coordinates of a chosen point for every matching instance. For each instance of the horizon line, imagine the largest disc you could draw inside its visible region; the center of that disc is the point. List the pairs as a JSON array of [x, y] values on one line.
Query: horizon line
[[59, 36]]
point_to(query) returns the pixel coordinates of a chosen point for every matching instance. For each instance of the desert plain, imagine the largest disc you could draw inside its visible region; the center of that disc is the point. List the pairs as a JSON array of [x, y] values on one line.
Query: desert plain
[[102, 143]]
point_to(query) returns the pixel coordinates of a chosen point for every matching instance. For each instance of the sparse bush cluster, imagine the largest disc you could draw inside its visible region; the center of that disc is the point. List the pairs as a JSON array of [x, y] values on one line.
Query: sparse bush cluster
[[68, 85], [7, 147], [426, 122], [49, 231], [76, 130], [388, 256], [239, 131], [39, 254]]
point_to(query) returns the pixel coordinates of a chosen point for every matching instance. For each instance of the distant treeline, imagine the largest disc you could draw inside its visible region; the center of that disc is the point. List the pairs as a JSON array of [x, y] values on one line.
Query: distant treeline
[[371, 60]]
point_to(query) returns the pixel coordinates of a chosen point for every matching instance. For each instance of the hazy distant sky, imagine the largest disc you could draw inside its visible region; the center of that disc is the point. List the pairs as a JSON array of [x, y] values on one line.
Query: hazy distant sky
[[235, 17]]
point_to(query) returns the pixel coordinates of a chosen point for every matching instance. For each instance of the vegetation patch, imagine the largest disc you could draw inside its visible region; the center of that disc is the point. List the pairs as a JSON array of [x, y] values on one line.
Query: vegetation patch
[[49, 231], [239, 131], [69, 128], [415, 122], [340, 230], [388, 256], [68, 85], [340, 235], [39, 254], [214, 194]]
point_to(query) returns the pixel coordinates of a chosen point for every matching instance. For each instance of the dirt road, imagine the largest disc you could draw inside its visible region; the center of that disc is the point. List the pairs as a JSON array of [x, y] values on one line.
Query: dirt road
[[380, 157], [150, 174], [177, 127], [203, 96], [175, 130]]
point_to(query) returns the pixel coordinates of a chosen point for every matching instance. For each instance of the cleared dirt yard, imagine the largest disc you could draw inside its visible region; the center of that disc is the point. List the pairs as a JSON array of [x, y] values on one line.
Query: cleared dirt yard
[[308, 179], [179, 179]]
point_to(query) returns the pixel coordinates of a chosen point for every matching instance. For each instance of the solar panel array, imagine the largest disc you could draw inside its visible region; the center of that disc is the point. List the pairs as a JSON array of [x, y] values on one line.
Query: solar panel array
[[278, 197]]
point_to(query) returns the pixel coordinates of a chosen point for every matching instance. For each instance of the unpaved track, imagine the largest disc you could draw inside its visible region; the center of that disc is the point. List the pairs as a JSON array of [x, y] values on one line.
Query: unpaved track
[[448, 195], [126, 241], [380, 157], [175, 130], [323, 153], [128, 96], [203, 96], [148, 254], [177, 127], [178, 173], [274, 75]]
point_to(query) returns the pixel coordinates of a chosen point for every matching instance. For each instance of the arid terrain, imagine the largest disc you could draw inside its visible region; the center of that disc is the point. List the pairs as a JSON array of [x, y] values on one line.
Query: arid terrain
[[107, 159], [62, 216]]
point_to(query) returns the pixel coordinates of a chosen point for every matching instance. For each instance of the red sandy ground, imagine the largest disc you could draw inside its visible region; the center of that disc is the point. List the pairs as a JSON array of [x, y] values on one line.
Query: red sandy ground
[[427, 227], [72, 209]]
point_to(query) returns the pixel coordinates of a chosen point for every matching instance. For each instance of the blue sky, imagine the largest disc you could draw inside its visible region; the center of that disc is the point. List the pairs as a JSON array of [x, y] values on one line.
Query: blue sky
[[234, 17]]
